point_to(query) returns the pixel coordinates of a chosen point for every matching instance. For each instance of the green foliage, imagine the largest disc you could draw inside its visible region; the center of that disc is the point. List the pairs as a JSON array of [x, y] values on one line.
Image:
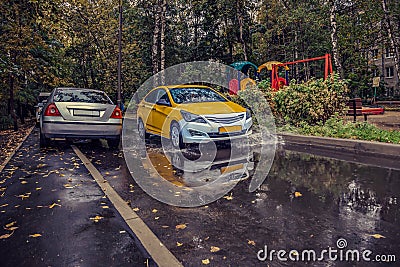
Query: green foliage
[[311, 102], [336, 127]]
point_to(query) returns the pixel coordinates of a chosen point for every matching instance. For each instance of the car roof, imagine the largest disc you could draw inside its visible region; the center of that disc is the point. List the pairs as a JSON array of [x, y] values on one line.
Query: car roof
[[183, 86], [44, 94], [77, 88]]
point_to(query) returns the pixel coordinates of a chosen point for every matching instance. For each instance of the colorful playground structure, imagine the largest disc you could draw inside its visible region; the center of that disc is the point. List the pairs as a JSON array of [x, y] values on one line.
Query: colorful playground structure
[[274, 68]]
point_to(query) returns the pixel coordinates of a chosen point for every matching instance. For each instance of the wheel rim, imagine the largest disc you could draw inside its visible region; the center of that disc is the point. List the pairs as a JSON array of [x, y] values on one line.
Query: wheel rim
[[141, 129], [175, 136]]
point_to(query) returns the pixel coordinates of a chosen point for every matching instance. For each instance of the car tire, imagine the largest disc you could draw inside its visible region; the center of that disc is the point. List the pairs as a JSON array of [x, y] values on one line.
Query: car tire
[[176, 136], [43, 141], [142, 130], [113, 143]]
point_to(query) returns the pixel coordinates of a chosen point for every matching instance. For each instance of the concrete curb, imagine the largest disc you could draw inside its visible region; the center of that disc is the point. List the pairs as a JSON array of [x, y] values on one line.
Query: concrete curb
[[349, 145], [2, 166], [156, 249]]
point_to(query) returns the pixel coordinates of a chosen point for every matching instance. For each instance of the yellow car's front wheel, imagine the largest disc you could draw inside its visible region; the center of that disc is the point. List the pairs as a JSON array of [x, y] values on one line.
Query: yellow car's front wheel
[[175, 135]]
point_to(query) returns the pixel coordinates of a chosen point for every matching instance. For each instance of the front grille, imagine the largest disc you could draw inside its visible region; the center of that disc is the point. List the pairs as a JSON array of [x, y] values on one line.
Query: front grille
[[219, 135], [225, 120]]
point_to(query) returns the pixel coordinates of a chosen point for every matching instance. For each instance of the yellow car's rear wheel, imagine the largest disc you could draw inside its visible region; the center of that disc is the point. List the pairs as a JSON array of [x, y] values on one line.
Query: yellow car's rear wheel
[[142, 129]]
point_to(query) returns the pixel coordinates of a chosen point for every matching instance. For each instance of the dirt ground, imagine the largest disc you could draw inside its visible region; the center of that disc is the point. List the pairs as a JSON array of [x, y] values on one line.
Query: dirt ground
[[10, 139], [388, 121]]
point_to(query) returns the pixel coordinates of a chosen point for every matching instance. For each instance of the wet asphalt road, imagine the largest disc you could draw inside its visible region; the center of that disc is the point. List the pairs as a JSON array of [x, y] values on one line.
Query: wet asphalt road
[[49, 192], [306, 202]]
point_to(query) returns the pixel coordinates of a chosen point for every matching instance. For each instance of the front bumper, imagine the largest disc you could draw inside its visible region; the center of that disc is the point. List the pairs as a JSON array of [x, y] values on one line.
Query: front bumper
[[193, 132]]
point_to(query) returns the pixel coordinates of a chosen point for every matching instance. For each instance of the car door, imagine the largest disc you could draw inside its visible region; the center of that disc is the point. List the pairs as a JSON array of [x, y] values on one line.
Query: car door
[[146, 108], [160, 112]]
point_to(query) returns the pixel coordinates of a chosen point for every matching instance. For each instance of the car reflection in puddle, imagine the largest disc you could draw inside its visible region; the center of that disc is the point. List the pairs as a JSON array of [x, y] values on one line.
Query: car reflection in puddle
[[194, 168]]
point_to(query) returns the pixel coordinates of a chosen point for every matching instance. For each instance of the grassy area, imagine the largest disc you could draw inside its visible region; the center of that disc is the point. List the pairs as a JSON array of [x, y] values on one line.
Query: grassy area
[[336, 127]]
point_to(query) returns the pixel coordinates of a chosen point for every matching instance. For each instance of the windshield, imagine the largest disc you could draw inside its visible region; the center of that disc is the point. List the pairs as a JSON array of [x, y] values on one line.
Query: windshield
[[195, 95], [85, 96]]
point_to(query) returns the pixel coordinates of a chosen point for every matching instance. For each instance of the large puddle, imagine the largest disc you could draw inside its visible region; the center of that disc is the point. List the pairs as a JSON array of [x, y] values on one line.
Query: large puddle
[[305, 202]]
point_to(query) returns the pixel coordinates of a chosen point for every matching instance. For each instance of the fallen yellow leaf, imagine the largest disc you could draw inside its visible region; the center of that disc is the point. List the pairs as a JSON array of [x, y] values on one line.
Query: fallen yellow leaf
[[179, 244], [4, 205], [154, 210], [135, 209], [251, 242], [11, 228], [35, 235], [230, 197], [105, 207], [377, 236], [53, 205], [10, 224], [297, 194], [180, 226], [97, 218], [214, 249], [205, 262], [38, 188], [6, 235], [24, 182]]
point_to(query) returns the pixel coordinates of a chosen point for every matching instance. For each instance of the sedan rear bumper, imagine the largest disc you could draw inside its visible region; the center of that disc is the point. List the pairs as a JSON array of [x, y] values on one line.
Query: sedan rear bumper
[[76, 129]]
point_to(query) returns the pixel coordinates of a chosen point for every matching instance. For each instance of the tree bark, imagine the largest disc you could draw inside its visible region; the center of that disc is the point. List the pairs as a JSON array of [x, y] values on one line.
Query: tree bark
[[391, 37], [240, 21], [162, 35], [334, 38], [156, 33], [12, 103]]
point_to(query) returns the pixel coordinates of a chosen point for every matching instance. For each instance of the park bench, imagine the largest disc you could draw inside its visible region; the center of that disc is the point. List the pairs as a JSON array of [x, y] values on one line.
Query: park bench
[[354, 108]]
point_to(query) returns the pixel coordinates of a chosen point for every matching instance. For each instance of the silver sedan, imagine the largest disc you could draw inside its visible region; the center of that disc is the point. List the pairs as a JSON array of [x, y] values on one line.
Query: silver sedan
[[80, 113]]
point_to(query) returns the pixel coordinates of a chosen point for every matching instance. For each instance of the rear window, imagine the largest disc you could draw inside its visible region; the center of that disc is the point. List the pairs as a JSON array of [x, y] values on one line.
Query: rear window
[[85, 96]]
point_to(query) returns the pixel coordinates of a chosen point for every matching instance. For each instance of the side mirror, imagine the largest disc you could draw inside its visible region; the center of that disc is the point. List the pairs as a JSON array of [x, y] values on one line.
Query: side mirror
[[163, 102]]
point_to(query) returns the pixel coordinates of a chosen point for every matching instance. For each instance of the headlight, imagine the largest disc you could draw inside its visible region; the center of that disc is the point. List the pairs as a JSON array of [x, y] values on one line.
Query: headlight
[[248, 114], [189, 117]]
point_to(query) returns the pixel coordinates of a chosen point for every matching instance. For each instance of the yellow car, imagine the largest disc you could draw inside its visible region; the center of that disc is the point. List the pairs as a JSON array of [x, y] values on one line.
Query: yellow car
[[191, 114]]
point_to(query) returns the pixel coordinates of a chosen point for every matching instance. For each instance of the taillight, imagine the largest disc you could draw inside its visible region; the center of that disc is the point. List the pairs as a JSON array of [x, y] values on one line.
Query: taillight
[[117, 114], [52, 110]]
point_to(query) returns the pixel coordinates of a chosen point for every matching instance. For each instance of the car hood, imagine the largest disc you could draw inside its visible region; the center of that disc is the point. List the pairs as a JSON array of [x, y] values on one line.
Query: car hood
[[206, 108]]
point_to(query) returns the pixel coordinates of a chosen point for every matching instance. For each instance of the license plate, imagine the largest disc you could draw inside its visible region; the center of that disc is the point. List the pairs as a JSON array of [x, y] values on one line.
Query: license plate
[[230, 129], [88, 113], [231, 168]]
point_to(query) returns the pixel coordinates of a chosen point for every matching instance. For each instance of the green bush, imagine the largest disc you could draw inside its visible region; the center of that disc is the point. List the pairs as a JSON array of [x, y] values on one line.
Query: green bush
[[311, 102]]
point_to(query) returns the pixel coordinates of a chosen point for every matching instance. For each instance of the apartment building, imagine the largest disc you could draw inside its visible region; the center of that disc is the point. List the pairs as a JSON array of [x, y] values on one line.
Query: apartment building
[[383, 60]]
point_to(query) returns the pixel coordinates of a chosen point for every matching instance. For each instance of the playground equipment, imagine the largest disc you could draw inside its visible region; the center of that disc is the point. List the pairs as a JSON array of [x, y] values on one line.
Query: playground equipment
[[240, 82], [277, 82], [273, 68]]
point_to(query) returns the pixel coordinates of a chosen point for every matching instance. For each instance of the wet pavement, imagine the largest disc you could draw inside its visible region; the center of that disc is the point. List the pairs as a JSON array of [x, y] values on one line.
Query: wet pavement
[[52, 213], [307, 202]]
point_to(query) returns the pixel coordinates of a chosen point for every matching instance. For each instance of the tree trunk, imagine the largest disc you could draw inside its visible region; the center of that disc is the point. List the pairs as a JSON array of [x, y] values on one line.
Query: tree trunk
[[393, 46], [162, 35], [12, 103], [240, 21], [162, 38], [156, 33], [334, 38]]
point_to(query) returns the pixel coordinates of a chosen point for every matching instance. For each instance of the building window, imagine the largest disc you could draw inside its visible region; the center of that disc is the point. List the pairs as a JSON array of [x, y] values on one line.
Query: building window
[[374, 53], [388, 53], [389, 72]]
